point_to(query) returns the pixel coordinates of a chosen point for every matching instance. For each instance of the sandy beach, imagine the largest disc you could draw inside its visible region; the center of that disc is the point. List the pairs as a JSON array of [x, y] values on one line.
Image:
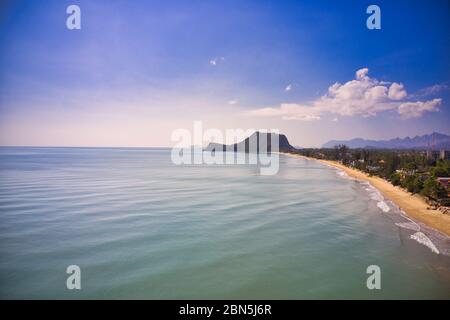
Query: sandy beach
[[413, 205]]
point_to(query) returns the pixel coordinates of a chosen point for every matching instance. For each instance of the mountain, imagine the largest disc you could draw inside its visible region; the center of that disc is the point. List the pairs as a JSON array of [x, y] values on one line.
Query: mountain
[[435, 141], [253, 147]]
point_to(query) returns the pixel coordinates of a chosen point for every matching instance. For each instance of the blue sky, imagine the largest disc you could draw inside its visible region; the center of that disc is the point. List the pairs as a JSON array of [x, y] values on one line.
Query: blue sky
[[138, 70]]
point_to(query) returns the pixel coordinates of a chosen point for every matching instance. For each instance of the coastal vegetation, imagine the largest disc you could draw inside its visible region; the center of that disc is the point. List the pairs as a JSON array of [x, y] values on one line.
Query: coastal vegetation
[[418, 171]]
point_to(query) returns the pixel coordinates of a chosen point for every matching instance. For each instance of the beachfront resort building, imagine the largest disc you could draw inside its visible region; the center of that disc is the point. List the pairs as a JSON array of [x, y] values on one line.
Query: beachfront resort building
[[445, 183]]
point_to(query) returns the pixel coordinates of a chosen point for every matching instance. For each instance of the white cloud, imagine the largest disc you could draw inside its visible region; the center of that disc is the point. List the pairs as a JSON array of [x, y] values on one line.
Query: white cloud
[[361, 74], [417, 109], [287, 111], [362, 96], [432, 90], [397, 91], [232, 102], [288, 88], [216, 61]]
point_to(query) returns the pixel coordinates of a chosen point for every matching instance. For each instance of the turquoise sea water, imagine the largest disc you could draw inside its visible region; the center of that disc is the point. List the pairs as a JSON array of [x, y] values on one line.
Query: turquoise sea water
[[140, 227]]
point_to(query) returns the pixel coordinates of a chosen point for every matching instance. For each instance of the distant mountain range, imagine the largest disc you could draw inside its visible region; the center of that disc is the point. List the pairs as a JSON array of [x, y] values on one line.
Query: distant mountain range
[[253, 147], [435, 141]]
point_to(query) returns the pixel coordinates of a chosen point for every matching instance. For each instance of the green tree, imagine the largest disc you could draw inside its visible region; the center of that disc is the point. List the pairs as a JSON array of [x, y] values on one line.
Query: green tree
[[395, 179], [432, 188], [413, 183], [343, 153], [390, 165], [442, 169]]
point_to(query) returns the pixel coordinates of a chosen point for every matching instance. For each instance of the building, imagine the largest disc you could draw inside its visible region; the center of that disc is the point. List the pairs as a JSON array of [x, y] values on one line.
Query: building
[[441, 154], [445, 182]]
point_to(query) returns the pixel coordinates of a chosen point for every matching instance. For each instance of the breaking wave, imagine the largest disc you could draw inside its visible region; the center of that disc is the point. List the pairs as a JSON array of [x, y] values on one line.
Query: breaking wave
[[422, 233], [408, 225], [383, 206], [423, 239]]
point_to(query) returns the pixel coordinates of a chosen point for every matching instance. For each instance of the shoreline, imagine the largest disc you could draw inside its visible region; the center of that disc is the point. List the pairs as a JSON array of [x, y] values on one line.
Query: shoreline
[[413, 205]]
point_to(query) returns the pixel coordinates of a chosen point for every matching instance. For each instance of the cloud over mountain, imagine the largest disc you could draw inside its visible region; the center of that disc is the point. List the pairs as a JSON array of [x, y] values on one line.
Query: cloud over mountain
[[364, 96]]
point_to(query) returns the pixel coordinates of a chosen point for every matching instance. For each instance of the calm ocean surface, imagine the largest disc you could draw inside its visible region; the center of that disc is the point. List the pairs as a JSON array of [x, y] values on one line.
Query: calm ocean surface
[[140, 227]]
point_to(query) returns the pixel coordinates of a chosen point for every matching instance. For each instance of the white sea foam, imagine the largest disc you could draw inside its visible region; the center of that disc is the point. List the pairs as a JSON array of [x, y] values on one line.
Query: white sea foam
[[408, 225], [387, 206], [342, 174], [423, 239], [383, 206], [376, 195]]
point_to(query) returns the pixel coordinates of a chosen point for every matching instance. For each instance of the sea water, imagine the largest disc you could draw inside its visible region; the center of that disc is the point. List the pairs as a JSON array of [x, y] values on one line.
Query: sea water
[[140, 227]]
